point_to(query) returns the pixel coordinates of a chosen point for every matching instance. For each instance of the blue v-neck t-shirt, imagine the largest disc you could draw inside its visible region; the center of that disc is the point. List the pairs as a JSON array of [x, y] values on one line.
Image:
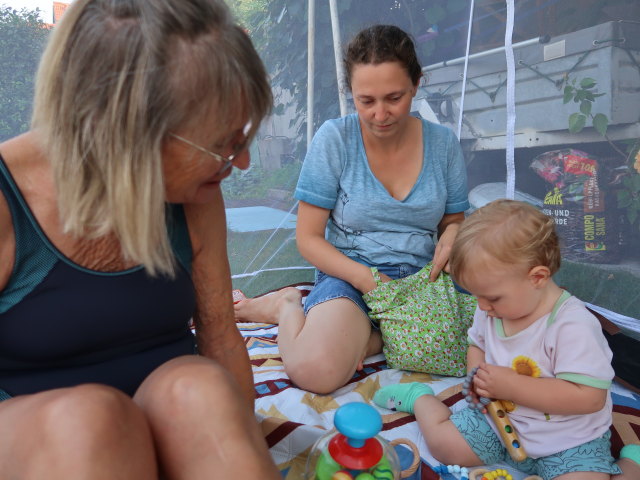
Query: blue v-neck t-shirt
[[366, 223]]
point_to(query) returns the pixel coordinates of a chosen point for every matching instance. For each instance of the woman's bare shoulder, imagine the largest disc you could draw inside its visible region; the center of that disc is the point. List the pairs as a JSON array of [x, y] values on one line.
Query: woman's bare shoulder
[[16, 153]]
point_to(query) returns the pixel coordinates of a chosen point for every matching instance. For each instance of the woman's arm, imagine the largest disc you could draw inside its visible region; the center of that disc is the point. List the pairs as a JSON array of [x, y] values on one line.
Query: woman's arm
[[313, 246], [7, 243], [217, 335], [447, 231]]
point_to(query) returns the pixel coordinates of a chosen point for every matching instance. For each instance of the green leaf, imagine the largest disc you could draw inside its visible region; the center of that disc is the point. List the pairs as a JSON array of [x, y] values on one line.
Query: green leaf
[[568, 94], [624, 199], [588, 83], [574, 198], [575, 188], [577, 122], [632, 215], [600, 123], [585, 107]]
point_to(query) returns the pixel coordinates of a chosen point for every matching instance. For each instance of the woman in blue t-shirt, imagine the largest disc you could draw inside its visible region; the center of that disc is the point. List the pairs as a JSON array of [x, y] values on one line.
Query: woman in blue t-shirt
[[377, 188]]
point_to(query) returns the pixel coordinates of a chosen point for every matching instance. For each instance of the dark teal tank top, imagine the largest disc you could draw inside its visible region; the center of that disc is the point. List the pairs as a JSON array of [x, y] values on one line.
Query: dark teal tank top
[[64, 325]]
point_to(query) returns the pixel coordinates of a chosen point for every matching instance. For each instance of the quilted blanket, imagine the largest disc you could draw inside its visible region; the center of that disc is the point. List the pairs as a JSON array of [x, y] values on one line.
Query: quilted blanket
[[293, 419]]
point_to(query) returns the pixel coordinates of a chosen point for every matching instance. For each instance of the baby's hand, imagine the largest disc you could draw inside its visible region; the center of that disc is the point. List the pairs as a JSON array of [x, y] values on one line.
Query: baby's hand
[[493, 381]]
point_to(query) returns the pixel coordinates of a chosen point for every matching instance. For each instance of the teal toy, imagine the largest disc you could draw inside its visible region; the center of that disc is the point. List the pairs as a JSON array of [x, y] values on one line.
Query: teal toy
[[353, 449]]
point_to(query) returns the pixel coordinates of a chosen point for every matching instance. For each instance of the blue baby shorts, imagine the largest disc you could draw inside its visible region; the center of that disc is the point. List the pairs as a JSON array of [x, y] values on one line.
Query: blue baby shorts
[[592, 456]]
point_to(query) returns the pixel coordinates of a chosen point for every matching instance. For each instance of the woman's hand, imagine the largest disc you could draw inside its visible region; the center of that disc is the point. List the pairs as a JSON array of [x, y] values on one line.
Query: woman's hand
[[312, 245], [448, 229], [370, 283]]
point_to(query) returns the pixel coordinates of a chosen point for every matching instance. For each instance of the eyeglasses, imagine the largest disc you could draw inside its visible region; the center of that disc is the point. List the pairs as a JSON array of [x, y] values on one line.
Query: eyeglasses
[[227, 162]]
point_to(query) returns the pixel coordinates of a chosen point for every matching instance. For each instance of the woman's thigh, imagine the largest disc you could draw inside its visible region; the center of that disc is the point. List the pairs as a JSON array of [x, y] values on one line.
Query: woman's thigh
[[328, 288]]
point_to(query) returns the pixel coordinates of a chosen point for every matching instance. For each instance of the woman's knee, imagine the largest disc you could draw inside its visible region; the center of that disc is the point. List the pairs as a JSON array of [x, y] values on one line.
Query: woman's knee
[[91, 412], [319, 374], [185, 382]]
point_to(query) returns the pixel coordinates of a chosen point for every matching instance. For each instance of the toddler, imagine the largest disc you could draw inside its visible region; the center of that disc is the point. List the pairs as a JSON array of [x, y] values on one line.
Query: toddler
[[533, 344]]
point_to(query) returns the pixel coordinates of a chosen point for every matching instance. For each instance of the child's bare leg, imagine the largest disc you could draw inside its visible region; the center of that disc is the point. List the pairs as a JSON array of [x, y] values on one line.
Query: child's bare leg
[[629, 463], [444, 440]]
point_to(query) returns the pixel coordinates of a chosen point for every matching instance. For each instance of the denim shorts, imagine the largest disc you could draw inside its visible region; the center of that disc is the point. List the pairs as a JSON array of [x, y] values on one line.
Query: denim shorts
[[327, 287], [592, 456], [4, 395]]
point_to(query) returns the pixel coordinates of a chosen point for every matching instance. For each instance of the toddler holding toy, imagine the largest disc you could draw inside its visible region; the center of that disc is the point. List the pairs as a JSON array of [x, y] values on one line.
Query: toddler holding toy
[[533, 344]]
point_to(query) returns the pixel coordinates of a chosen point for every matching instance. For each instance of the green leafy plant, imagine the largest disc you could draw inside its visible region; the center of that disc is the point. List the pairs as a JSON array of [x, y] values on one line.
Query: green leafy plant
[[629, 193], [585, 94]]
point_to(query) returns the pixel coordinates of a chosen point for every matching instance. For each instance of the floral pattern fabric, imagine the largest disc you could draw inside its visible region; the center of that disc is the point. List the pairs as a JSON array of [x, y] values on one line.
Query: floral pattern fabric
[[423, 324]]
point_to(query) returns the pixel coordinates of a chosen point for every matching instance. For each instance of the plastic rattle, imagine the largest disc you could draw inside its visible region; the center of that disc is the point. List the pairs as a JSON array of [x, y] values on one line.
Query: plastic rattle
[[353, 450], [498, 414]]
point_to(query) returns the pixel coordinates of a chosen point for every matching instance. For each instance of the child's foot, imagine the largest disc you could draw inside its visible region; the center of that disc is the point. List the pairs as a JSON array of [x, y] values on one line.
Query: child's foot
[[402, 396], [632, 452], [267, 309], [629, 461]]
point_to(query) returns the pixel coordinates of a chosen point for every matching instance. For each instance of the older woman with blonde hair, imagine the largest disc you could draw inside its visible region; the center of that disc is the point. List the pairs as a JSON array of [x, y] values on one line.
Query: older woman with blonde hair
[[112, 238]]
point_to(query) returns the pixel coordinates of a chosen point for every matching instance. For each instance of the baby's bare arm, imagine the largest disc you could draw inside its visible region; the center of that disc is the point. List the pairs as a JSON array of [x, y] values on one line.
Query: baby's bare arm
[[548, 395]]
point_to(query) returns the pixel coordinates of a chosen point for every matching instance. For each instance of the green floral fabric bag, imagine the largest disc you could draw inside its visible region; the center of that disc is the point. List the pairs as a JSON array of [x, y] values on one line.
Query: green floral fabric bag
[[424, 324]]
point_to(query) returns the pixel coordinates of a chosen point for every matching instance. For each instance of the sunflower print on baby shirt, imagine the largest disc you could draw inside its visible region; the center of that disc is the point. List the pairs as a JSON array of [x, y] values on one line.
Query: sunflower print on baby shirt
[[523, 366]]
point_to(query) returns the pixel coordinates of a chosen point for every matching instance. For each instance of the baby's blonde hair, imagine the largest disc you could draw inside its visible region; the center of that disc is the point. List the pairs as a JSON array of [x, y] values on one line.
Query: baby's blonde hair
[[116, 77], [508, 232]]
